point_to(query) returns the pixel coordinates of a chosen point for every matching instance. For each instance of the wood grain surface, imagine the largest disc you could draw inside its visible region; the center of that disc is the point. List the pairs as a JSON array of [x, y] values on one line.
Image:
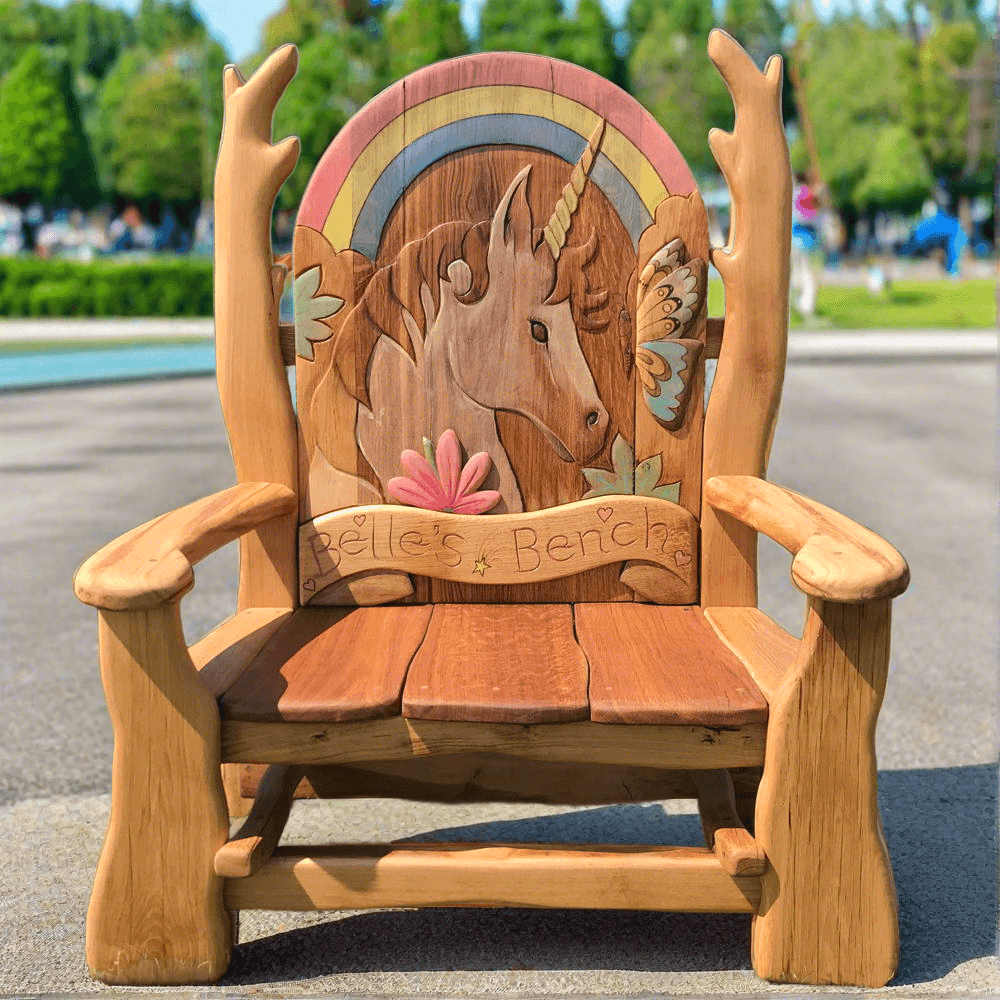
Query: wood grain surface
[[498, 663], [156, 914], [663, 666], [330, 665], [484, 777], [725, 834], [253, 388], [762, 646], [151, 564], [828, 906], [570, 876], [504, 548], [835, 558], [739, 422], [251, 846], [667, 747], [222, 655]]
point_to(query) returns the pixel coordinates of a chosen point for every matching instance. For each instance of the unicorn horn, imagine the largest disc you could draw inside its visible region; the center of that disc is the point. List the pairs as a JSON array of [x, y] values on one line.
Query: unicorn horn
[[558, 225]]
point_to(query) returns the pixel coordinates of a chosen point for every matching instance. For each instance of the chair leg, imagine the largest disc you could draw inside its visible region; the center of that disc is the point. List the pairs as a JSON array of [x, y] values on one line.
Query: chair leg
[[156, 914], [828, 903]]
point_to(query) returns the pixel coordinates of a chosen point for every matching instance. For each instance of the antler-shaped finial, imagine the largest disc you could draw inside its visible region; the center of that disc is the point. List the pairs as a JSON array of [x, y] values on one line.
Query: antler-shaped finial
[[558, 225]]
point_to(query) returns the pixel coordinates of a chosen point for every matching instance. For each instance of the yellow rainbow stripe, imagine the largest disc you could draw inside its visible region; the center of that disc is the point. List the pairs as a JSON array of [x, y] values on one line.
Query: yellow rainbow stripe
[[472, 102]]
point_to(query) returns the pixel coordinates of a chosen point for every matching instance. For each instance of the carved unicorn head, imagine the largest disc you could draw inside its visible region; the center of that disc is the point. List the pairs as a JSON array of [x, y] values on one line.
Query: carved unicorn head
[[517, 347]]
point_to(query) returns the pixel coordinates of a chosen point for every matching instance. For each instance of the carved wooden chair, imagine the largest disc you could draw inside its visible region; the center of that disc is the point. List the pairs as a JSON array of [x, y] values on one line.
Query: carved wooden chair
[[500, 550]]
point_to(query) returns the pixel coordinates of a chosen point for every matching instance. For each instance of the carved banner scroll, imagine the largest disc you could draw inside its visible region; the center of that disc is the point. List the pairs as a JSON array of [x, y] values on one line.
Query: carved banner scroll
[[503, 548]]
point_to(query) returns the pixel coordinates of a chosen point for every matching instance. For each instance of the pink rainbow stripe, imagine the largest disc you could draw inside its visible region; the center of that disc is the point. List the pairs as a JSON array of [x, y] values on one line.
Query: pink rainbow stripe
[[483, 70]]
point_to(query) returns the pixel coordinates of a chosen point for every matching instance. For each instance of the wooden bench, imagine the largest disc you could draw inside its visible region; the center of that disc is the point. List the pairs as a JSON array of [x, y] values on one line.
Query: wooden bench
[[498, 550]]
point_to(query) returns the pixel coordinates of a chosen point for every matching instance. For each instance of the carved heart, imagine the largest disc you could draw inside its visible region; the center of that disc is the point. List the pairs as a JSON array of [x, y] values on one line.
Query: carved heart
[[682, 558], [605, 512], [359, 519], [309, 585]]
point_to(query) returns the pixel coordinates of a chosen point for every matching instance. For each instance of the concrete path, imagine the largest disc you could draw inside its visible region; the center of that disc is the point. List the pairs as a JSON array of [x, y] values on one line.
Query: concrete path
[[907, 448]]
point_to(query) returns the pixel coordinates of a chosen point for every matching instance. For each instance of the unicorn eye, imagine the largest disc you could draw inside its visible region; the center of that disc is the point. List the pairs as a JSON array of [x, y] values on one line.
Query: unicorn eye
[[539, 331]]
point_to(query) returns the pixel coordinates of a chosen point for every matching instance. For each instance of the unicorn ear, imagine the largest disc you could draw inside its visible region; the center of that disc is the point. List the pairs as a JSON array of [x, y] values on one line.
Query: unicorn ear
[[510, 231]]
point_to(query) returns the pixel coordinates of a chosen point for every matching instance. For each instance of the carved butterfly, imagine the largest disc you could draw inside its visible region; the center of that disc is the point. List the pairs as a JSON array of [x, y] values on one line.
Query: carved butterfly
[[670, 297], [670, 293], [665, 368]]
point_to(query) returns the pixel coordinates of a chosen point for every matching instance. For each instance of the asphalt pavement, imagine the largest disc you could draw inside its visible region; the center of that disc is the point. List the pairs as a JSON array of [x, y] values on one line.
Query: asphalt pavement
[[906, 447]]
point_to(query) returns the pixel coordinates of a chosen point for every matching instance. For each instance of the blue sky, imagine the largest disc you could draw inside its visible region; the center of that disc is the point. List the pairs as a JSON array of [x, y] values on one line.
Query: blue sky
[[237, 25]]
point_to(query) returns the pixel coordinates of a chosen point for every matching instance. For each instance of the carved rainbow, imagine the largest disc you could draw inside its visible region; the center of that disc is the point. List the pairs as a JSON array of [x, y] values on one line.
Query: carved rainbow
[[555, 106]]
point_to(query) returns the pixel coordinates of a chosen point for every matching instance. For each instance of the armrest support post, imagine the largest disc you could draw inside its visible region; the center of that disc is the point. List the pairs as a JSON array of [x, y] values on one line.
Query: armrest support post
[[157, 914], [829, 885]]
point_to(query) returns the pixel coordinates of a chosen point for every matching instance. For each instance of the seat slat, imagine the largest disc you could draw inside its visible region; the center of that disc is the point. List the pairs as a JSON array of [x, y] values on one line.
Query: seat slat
[[330, 665], [659, 665], [498, 663]]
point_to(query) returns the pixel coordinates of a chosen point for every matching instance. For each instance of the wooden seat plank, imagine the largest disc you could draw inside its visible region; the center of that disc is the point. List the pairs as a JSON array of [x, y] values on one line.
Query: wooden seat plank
[[330, 665], [663, 666], [498, 663]]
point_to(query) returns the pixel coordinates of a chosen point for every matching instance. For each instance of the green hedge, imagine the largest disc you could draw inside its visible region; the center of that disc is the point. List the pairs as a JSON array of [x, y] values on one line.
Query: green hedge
[[174, 286]]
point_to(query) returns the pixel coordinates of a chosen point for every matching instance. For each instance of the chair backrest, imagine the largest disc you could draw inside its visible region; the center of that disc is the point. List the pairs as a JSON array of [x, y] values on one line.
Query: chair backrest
[[500, 254]]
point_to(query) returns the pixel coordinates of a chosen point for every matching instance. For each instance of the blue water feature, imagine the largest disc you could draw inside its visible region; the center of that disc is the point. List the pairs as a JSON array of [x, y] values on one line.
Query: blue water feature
[[49, 368]]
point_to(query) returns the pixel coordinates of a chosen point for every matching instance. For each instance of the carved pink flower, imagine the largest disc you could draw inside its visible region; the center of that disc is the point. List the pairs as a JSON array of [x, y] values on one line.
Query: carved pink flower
[[441, 482]]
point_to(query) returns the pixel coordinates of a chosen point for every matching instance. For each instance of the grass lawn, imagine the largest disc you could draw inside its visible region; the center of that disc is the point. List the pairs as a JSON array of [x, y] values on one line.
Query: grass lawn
[[904, 305]]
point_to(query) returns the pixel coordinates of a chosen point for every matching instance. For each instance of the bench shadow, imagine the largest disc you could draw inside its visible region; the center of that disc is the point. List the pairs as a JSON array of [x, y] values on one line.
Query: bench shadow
[[940, 825]]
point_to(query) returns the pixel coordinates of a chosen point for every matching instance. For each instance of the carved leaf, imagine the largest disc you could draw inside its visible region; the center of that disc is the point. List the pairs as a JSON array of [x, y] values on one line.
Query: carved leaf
[[310, 309], [628, 477]]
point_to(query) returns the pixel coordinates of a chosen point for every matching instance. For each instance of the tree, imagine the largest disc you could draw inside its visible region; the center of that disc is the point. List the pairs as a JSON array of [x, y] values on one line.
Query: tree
[[421, 32], [299, 22], [854, 96], [339, 71], [692, 18], [589, 40], [103, 125], [937, 105], [522, 26], [162, 25], [96, 36], [158, 133], [680, 87], [896, 176], [757, 25], [23, 24], [43, 148]]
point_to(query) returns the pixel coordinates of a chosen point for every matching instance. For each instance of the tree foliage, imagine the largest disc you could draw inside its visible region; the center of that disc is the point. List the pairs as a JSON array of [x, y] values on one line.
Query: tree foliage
[[96, 36], [589, 41], [672, 77], [892, 89], [937, 106], [421, 32], [853, 101], [158, 134], [43, 149], [522, 26], [24, 24], [340, 70], [163, 25], [896, 174]]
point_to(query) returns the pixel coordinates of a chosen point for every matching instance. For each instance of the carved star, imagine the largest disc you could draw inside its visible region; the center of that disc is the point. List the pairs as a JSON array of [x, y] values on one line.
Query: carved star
[[481, 566]]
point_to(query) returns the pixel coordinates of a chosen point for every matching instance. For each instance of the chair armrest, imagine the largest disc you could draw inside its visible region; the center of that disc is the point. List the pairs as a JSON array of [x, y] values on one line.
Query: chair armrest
[[834, 558], [151, 565]]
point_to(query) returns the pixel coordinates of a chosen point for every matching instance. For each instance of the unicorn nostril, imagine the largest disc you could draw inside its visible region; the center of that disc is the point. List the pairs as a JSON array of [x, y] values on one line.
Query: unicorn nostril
[[592, 418]]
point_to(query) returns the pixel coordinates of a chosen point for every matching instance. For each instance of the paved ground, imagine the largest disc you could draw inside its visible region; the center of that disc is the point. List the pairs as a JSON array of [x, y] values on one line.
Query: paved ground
[[906, 447]]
